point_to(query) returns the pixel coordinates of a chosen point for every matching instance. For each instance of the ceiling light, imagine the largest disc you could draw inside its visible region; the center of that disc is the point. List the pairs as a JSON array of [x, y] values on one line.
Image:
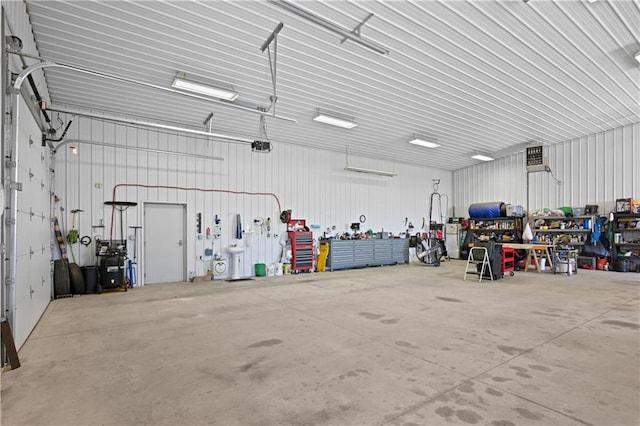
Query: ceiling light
[[482, 157], [424, 141], [216, 92], [370, 171], [334, 121]]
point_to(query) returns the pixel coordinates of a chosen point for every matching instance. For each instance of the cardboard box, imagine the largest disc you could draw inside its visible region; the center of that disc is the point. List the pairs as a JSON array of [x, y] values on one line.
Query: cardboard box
[[202, 278], [624, 205]]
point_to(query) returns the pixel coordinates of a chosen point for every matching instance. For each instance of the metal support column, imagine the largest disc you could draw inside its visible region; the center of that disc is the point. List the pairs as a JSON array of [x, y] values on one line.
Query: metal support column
[[4, 97]]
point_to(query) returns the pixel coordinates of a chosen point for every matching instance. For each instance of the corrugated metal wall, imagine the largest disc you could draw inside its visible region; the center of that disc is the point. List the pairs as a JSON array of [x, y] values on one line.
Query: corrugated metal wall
[[594, 169], [311, 182]]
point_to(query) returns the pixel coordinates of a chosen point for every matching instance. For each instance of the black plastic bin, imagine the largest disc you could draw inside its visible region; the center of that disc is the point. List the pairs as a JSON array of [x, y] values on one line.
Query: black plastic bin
[[90, 274]]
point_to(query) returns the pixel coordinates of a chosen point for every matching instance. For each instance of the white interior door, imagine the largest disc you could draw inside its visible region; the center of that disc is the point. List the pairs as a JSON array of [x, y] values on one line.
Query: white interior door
[[164, 243]]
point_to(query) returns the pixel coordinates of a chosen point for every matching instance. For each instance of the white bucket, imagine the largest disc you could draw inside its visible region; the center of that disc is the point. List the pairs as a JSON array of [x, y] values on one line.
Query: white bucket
[[271, 270], [563, 267], [279, 269], [543, 264]]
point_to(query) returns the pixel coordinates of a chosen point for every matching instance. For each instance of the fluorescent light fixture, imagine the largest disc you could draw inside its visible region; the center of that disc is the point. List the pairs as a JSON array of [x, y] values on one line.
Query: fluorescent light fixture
[[370, 171], [226, 94], [424, 141], [482, 157], [334, 121]]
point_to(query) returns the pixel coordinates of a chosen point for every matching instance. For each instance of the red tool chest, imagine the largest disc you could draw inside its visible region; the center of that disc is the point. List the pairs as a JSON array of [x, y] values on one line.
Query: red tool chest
[[301, 245]]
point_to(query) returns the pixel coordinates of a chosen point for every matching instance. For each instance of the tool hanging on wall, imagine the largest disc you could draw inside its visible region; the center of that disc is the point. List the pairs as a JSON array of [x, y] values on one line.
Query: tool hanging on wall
[[73, 236], [259, 222], [199, 223], [217, 228], [238, 227], [285, 216]]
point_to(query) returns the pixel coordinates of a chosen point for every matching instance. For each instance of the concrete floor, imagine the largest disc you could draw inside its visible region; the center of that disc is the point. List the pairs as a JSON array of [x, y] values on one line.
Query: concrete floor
[[399, 345]]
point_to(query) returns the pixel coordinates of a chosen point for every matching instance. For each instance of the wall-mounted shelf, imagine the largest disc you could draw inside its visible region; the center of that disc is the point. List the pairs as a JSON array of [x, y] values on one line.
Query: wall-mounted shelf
[[563, 231], [627, 244], [577, 228], [626, 237], [492, 230], [501, 229]]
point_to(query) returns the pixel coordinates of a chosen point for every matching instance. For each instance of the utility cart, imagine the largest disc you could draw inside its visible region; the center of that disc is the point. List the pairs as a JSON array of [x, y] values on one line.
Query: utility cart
[[508, 261], [565, 261], [113, 254]]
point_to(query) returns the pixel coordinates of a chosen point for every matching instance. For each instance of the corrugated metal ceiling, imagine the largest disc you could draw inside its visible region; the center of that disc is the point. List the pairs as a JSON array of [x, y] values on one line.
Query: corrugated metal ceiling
[[481, 75]]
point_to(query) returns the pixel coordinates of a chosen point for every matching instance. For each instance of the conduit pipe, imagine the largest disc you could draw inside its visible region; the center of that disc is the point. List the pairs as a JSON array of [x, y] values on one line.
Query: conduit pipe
[[135, 148], [46, 64], [153, 125], [183, 188]]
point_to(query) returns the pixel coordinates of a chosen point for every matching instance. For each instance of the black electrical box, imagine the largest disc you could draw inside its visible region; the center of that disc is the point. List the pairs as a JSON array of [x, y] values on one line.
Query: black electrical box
[[261, 146]]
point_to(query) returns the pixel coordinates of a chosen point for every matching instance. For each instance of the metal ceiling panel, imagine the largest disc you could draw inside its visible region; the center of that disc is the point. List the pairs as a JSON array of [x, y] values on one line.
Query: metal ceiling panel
[[477, 76]]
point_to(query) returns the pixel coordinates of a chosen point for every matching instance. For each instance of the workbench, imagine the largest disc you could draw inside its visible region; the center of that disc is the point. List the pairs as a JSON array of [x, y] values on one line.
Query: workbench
[[532, 253]]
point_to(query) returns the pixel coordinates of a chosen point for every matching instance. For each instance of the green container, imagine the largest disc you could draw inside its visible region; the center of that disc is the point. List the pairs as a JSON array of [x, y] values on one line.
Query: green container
[[261, 270]]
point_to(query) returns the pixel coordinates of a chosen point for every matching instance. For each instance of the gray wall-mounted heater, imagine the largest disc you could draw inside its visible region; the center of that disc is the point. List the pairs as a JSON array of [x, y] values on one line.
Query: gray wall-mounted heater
[[536, 160]]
